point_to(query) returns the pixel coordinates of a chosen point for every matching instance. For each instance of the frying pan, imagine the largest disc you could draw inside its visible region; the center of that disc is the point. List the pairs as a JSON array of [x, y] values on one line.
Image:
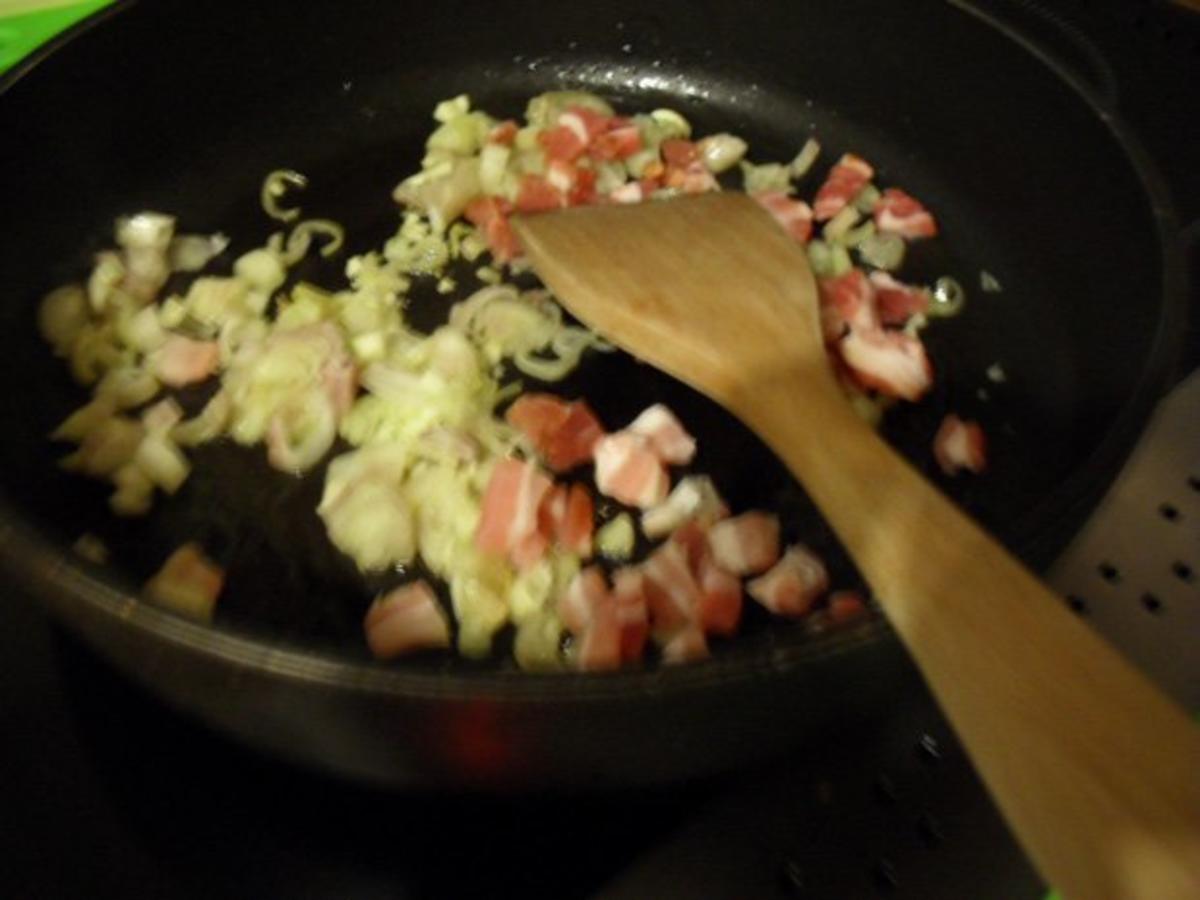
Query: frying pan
[[182, 108]]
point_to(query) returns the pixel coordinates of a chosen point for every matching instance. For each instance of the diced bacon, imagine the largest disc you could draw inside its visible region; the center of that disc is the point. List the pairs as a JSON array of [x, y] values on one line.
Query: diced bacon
[[630, 192], [563, 142], [895, 301], [406, 619], [692, 538], [849, 176], [686, 645], [672, 594], [536, 194], [846, 606], [585, 592], [795, 216], [890, 362], [692, 179], [620, 143], [629, 592], [587, 123], [629, 471], [899, 213], [694, 499], [188, 583], [678, 153], [590, 613], [563, 433], [793, 585], [503, 133], [600, 647], [720, 608], [561, 176], [847, 301], [490, 216], [181, 361], [508, 523], [960, 445], [747, 544], [666, 434], [584, 189], [567, 517], [553, 511]]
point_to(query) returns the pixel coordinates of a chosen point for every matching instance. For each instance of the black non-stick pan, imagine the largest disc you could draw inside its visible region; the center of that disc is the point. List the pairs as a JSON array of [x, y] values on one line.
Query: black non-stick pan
[[183, 107]]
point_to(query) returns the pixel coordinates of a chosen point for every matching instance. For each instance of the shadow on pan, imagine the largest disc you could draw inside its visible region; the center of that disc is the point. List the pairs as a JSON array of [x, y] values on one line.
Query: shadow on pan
[[168, 107]]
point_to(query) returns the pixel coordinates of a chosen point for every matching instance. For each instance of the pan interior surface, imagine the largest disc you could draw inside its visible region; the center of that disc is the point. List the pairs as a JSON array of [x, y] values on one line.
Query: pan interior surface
[[186, 112]]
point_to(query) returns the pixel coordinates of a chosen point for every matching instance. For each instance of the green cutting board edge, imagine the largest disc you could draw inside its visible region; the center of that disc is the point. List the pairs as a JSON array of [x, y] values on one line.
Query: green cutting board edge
[[23, 33]]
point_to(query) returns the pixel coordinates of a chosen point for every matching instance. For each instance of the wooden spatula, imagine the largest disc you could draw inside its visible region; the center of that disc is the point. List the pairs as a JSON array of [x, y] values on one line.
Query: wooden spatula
[[1097, 772]]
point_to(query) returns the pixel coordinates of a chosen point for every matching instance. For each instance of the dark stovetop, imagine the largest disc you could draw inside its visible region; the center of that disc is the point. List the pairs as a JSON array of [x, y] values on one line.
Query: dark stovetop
[[106, 792]]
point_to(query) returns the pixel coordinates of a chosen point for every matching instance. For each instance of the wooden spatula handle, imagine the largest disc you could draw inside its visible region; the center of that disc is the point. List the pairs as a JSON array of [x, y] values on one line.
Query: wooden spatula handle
[[1098, 772]]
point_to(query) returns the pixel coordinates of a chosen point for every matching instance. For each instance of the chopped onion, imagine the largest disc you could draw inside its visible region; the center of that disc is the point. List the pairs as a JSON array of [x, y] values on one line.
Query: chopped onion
[[206, 426], [989, 283], [883, 251], [128, 386], [836, 228], [134, 494], [189, 583], [302, 235], [721, 151], [452, 109], [855, 236], [372, 523], [481, 607], [615, 540], [805, 159], [544, 109], [106, 276], [192, 252], [442, 198], [62, 316], [262, 269], [671, 124], [537, 641], [301, 432], [840, 260], [820, 258], [162, 416], [767, 177], [77, 425], [107, 447], [947, 299], [866, 199], [162, 462], [274, 187], [143, 331], [493, 163], [91, 548]]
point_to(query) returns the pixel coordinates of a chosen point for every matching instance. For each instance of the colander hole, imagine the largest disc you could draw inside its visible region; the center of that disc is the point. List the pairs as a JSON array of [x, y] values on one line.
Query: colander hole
[[1194, 483], [884, 790], [1182, 571], [928, 749], [930, 831], [1077, 603], [1169, 512], [791, 876], [1109, 572], [883, 874], [1152, 603]]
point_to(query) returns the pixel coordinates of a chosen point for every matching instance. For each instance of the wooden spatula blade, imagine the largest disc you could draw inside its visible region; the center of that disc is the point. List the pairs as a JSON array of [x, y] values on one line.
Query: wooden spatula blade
[[710, 288]]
